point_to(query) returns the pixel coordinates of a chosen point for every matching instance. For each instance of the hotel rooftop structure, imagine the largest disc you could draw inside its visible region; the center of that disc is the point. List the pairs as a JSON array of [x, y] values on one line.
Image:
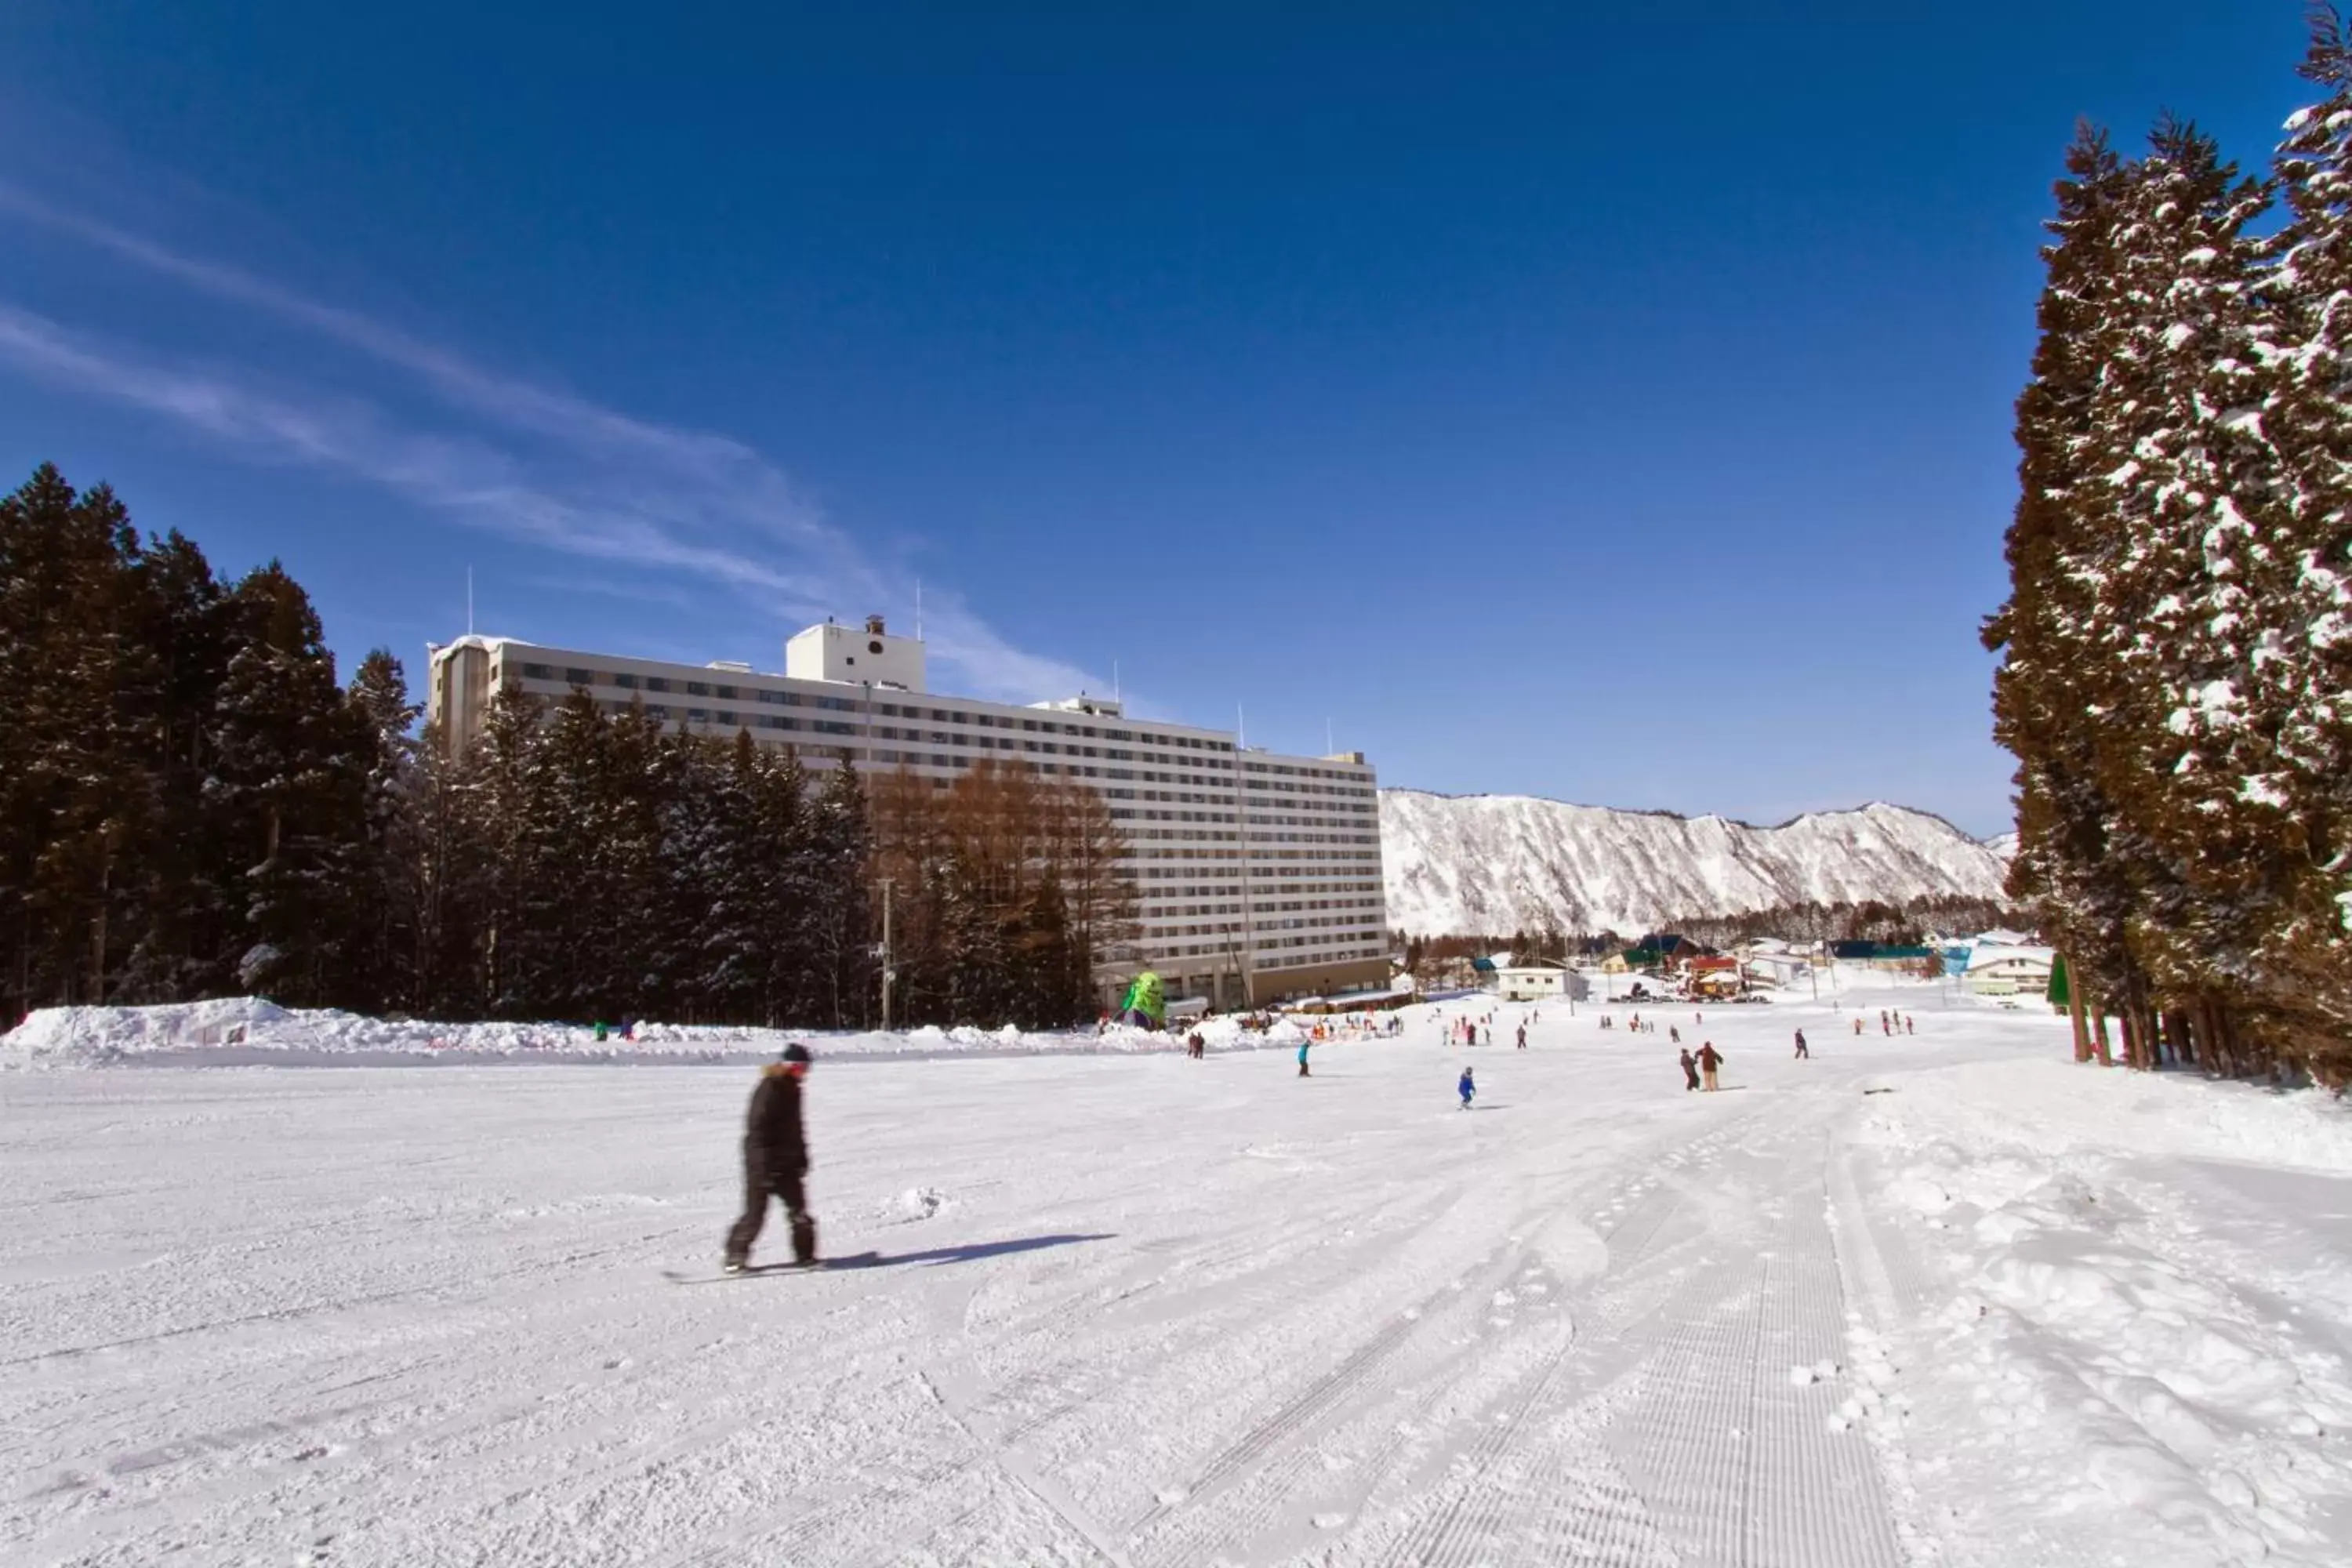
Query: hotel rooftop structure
[[1259, 874]]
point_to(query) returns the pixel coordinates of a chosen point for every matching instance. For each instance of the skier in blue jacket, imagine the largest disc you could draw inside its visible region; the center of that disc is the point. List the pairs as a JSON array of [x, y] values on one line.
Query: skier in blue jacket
[[1468, 1087], [1302, 1058]]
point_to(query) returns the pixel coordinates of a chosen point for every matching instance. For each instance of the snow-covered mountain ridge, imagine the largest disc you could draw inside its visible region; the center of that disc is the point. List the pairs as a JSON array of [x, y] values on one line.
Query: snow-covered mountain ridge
[[1505, 863]]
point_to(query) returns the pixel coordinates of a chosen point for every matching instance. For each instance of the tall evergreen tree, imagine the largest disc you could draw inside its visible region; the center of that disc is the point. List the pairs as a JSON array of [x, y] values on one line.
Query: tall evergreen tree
[[292, 771], [2045, 687], [74, 793], [384, 969], [2295, 614], [184, 885], [841, 925], [2172, 462]]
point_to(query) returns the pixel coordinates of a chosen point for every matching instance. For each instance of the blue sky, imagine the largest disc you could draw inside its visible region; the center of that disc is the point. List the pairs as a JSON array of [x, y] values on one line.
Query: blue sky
[[1612, 407]]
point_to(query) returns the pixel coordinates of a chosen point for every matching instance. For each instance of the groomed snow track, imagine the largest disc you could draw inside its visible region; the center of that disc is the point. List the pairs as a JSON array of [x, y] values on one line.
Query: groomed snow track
[[1153, 1313]]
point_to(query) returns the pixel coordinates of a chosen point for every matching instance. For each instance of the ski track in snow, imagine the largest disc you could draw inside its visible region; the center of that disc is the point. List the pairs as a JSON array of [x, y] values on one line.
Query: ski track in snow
[[1146, 1312]]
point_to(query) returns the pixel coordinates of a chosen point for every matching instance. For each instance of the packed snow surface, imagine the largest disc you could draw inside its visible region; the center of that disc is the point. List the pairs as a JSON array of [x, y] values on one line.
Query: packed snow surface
[[1507, 863], [1943, 1298]]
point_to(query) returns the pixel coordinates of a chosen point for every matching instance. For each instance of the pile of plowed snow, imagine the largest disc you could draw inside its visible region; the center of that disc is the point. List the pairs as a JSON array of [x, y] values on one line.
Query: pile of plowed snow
[[250, 1030]]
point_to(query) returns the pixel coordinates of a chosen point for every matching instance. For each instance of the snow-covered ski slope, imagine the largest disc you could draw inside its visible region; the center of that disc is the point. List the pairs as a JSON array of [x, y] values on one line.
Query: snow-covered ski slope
[[1141, 1310], [1507, 863]]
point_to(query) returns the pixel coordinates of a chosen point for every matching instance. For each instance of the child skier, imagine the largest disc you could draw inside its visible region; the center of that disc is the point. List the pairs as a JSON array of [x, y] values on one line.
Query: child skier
[[1466, 1089], [775, 1161], [1804, 1052], [1302, 1058], [1690, 1070]]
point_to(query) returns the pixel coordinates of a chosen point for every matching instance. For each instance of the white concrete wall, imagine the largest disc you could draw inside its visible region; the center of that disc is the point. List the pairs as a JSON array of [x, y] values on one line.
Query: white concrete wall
[[854, 655]]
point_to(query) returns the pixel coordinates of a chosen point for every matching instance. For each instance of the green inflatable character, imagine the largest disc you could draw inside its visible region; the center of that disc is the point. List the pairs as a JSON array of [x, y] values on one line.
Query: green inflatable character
[[1146, 1006]]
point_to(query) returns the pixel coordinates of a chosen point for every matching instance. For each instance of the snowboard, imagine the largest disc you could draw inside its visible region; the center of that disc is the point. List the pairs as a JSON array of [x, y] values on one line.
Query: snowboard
[[848, 1260]]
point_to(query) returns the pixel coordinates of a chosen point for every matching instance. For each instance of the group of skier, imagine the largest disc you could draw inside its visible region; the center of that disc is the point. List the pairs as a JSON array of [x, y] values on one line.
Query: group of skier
[[775, 1142], [1702, 1067]]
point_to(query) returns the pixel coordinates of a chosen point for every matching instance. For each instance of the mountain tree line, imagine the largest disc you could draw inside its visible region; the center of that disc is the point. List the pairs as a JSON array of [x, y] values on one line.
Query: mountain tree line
[[193, 806], [1897, 922], [2177, 684]]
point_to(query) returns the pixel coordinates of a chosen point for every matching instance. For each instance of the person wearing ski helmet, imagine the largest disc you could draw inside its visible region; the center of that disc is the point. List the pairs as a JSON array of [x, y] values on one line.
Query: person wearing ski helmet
[[775, 1161]]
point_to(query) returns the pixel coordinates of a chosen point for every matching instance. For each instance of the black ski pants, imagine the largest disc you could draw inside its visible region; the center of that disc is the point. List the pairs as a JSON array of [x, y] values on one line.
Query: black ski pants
[[759, 1184]]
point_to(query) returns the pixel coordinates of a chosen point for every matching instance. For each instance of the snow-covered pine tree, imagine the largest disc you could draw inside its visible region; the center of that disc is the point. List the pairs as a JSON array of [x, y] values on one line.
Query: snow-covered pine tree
[[732, 887], [841, 925], [453, 876], [382, 972], [2169, 460], [630, 822], [2045, 689], [292, 779], [73, 784], [183, 882], [495, 806], [671, 938], [558, 944], [2295, 617], [782, 855]]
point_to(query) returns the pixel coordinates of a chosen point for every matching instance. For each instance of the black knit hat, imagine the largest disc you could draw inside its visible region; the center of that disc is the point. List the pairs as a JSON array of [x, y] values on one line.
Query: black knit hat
[[796, 1052]]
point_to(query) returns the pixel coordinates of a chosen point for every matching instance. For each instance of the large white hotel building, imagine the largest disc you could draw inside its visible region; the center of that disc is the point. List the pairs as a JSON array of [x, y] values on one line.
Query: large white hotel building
[[1259, 874]]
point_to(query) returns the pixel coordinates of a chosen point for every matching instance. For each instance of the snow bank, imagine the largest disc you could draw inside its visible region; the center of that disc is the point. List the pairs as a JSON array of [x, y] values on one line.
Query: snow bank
[[2105, 1337], [2059, 1106], [251, 1030]]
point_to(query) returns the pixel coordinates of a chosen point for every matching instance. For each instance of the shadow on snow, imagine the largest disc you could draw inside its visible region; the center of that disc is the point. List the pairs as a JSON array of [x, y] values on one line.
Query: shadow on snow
[[971, 1252]]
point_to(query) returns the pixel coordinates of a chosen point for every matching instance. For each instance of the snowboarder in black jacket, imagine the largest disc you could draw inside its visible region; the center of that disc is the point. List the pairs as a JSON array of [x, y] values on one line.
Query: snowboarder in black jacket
[[775, 1161]]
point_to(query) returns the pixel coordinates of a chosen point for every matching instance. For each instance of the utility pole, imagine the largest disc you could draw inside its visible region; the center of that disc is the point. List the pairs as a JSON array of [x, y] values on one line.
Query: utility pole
[[889, 972]]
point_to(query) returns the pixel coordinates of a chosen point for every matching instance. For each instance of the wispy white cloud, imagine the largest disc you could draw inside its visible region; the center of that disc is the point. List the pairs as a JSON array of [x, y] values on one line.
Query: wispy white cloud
[[531, 462]]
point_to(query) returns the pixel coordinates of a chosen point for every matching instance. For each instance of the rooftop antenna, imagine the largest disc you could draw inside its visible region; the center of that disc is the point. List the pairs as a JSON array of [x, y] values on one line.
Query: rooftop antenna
[[1241, 728], [919, 609], [1328, 749], [469, 601], [1114, 680]]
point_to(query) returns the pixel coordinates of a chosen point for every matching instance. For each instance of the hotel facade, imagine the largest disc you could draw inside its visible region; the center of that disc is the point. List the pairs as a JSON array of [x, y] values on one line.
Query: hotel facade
[[1258, 874]]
